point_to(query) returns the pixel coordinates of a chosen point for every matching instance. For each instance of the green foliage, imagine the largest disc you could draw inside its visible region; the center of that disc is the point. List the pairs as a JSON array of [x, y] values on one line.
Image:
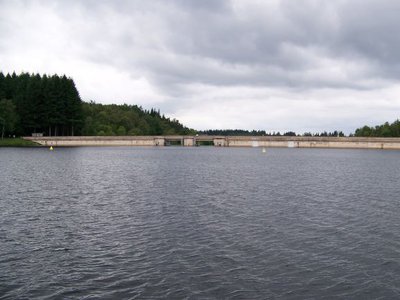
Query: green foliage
[[50, 105], [289, 133], [16, 142], [330, 134], [384, 130], [100, 119], [121, 130], [234, 132], [241, 132], [8, 118]]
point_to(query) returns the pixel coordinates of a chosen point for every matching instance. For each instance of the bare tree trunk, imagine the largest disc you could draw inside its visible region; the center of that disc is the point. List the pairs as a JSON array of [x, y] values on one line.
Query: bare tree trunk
[[2, 132]]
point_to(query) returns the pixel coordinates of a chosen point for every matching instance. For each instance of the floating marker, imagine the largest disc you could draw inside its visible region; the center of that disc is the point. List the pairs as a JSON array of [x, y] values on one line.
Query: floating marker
[[51, 148], [264, 150]]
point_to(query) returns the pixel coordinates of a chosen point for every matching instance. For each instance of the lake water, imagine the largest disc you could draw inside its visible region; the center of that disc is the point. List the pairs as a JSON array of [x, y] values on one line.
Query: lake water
[[199, 223]]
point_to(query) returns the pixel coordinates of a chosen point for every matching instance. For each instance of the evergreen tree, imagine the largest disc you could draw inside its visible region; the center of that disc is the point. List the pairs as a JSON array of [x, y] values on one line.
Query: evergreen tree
[[2, 86], [8, 117], [51, 105]]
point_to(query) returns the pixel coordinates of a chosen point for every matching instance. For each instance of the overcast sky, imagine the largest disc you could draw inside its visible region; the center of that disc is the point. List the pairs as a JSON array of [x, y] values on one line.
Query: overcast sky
[[276, 65]]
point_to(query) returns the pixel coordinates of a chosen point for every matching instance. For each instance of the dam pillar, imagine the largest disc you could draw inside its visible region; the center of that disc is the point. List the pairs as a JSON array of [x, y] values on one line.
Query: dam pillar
[[188, 142], [220, 142]]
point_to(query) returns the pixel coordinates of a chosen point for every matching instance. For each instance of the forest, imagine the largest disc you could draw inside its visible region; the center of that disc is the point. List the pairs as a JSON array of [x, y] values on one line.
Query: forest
[[51, 105], [385, 130], [126, 119], [241, 132], [33, 103]]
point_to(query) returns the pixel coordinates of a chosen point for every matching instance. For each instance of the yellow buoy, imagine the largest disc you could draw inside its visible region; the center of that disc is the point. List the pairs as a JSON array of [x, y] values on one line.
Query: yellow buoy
[[51, 148]]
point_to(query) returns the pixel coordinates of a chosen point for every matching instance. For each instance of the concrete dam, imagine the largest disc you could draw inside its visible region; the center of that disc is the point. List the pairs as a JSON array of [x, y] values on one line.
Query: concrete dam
[[221, 141]]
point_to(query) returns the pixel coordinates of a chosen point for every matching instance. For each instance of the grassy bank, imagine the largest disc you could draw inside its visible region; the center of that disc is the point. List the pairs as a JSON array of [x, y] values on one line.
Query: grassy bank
[[17, 142]]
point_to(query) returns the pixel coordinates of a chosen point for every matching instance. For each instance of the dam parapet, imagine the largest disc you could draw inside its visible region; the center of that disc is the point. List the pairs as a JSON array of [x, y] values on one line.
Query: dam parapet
[[221, 141]]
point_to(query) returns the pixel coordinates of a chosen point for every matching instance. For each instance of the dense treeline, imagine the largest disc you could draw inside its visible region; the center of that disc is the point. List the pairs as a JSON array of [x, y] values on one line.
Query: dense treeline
[[330, 134], [31, 103], [128, 120], [241, 132], [233, 132], [384, 130]]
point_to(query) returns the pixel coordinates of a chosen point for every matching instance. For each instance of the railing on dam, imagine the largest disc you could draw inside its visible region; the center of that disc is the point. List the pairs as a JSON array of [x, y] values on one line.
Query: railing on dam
[[221, 141]]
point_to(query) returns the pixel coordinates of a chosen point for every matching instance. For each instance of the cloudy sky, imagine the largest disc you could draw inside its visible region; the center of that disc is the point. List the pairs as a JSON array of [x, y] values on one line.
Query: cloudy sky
[[276, 65]]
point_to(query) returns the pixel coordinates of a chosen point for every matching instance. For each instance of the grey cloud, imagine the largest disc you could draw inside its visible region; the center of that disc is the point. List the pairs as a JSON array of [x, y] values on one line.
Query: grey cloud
[[293, 46], [343, 30], [177, 42]]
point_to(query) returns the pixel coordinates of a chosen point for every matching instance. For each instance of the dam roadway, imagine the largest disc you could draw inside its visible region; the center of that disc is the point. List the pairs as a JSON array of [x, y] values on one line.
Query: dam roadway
[[221, 141]]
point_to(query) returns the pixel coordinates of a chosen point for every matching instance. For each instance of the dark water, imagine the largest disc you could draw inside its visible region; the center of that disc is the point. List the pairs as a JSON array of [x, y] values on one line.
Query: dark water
[[199, 223]]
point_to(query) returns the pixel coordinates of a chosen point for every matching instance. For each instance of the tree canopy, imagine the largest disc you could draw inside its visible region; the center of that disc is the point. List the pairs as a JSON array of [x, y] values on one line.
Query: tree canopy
[[384, 130], [241, 132], [32, 103], [126, 119]]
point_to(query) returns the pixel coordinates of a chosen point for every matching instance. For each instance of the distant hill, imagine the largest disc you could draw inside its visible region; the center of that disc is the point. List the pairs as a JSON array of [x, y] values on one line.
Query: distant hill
[[33, 103], [125, 119]]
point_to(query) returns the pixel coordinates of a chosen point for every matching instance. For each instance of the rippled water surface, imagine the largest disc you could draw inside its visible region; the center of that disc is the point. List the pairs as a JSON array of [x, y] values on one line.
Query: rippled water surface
[[223, 223]]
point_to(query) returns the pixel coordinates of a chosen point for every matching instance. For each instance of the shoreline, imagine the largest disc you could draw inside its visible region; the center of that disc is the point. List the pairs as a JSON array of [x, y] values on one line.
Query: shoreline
[[17, 142]]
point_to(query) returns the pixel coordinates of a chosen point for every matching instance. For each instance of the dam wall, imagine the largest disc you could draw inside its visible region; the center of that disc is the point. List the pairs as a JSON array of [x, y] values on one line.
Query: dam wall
[[76, 141], [221, 141], [315, 142]]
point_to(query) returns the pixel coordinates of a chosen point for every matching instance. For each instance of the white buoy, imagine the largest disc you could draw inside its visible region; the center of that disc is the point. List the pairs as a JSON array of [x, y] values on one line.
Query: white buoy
[[264, 150], [51, 148]]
